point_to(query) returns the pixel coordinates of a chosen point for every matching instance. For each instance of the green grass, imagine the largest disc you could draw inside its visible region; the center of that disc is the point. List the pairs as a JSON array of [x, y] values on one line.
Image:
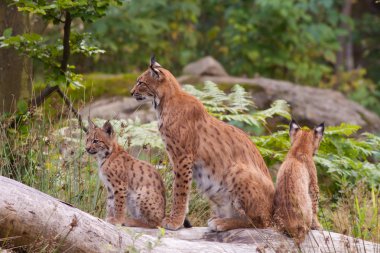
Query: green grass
[[356, 213]]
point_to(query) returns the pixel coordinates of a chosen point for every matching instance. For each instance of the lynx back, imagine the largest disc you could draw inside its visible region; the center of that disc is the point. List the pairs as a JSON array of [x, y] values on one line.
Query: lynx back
[[296, 197]]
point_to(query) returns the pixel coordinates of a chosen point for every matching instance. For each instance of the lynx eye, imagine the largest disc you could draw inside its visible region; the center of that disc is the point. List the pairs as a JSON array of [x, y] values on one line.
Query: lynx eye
[[140, 83], [95, 141]]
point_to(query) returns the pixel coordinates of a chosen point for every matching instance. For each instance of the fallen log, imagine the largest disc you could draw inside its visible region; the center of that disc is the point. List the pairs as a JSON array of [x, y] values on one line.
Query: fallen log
[[29, 217]]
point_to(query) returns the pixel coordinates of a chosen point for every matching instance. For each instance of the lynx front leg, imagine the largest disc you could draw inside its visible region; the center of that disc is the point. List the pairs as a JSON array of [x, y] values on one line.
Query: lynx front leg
[[181, 188], [119, 206]]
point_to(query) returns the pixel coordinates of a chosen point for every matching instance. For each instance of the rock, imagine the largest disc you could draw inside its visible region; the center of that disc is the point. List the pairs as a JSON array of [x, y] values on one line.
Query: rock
[[206, 66], [119, 108], [310, 106]]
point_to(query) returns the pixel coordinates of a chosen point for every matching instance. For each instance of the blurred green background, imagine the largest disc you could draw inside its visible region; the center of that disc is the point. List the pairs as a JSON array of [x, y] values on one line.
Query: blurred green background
[[324, 43]]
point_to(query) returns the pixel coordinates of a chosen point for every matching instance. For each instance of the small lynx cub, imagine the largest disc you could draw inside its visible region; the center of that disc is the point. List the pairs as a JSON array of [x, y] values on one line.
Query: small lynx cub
[[296, 197], [132, 185]]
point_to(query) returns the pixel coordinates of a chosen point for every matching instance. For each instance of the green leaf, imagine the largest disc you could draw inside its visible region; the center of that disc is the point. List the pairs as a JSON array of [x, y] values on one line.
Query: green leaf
[[7, 32], [22, 106]]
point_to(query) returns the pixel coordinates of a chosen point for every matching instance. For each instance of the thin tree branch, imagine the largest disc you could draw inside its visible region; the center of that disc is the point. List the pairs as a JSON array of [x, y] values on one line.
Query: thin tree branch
[[38, 100], [72, 109]]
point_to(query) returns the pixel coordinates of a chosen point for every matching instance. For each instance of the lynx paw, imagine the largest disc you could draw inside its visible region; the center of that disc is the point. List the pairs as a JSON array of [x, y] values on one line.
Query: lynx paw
[[115, 221], [217, 225], [316, 225], [168, 223]]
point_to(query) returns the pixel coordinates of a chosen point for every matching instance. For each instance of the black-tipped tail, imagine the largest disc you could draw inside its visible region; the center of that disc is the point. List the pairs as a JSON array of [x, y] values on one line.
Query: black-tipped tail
[[187, 224]]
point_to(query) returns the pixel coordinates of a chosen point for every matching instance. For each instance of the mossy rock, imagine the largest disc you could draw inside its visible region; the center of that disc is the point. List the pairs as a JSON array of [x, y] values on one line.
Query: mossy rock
[[109, 85], [95, 86]]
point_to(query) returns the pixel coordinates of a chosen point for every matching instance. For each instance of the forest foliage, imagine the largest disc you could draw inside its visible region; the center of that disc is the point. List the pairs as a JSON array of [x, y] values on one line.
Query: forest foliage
[[53, 52], [302, 44]]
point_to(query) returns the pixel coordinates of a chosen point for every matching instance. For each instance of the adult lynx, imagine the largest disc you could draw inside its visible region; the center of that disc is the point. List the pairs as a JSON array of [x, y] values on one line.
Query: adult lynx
[[221, 158]]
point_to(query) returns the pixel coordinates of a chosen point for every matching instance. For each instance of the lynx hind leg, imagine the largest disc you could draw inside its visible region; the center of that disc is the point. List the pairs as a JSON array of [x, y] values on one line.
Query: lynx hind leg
[[151, 209], [229, 218], [253, 197]]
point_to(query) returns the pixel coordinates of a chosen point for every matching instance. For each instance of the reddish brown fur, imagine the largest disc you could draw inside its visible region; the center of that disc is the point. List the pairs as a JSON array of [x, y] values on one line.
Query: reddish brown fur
[[296, 197], [132, 185], [222, 159]]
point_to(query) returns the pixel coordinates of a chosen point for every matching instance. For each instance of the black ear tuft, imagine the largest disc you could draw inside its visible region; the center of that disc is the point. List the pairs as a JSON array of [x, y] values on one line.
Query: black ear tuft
[[152, 60], [107, 127], [154, 67], [293, 129], [293, 126], [319, 130], [91, 124]]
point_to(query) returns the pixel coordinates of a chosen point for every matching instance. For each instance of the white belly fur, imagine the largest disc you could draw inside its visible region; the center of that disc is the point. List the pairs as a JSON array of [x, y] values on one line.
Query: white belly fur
[[211, 188]]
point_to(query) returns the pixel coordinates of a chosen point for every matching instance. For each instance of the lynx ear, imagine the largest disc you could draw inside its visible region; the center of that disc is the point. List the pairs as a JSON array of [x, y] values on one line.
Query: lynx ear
[[293, 129], [107, 127], [90, 123], [154, 68], [319, 130]]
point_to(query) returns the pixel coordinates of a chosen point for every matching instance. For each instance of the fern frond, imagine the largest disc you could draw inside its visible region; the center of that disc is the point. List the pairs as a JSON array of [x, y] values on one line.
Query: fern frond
[[132, 133], [213, 91], [193, 91], [211, 96], [136, 134], [244, 118], [278, 107], [239, 100], [344, 128], [235, 106]]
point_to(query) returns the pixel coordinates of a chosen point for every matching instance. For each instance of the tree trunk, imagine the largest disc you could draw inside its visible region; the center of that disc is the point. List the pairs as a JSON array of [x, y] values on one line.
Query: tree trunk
[[345, 56], [33, 219], [15, 70]]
